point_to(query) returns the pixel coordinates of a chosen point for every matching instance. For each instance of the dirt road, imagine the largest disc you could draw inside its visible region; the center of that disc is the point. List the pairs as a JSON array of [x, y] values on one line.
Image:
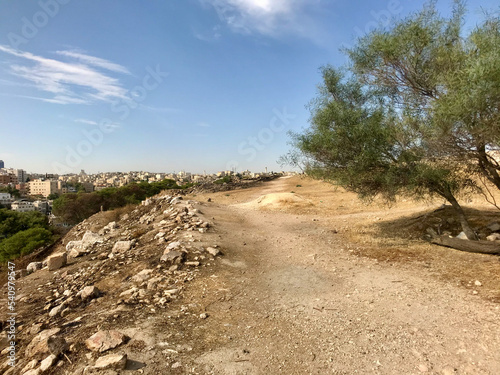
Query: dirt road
[[291, 296]]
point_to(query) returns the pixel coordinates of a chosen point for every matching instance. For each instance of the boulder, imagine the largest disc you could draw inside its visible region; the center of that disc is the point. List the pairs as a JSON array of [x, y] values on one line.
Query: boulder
[[111, 361], [493, 237], [105, 340], [34, 266], [121, 246], [74, 245], [56, 261], [39, 344], [173, 245], [173, 257], [213, 251], [57, 310], [89, 292], [91, 238], [142, 276], [48, 362]]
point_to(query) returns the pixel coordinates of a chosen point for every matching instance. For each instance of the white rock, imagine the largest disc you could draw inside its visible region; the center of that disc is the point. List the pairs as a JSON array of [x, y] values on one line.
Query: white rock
[[493, 237], [74, 245], [48, 362], [142, 276], [121, 246], [57, 310], [213, 251], [56, 261], [34, 266], [173, 245], [477, 283], [89, 292], [30, 366], [90, 238], [462, 236], [111, 361]]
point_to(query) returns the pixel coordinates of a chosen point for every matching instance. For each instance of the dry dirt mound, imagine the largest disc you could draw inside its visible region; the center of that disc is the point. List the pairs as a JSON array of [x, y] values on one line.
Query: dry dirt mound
[[277, 201]]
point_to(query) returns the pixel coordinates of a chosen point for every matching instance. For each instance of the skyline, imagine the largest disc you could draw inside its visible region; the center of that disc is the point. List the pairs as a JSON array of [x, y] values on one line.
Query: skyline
[[194, 85]]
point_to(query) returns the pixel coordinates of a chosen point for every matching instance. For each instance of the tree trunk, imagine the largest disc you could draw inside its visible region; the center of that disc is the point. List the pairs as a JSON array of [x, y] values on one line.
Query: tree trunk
[[471, 235], [489, 170], [482, 247]]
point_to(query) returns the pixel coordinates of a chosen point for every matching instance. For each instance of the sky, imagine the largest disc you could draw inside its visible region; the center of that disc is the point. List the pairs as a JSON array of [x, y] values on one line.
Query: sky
[[165, 86]]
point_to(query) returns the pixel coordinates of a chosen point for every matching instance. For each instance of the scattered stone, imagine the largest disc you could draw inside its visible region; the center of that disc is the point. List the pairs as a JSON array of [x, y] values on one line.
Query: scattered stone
[[56, 261], [176, 365], [39, 344], [174, 245], [142, 276], [31, 372], [423, 368], [30, 366], [112, 225], [105, 340], [90, 238], [57, 310], [213, 251], [48, 362], [477, 283], [34, 266], [462, 236], [111, 361], [203, 316], [192, 264], [89, 292], [122, 246], [493, 237], [173, 257]]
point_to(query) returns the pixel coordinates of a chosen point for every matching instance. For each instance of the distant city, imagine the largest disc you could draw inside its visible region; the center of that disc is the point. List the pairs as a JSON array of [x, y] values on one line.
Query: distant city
[[21, 191]]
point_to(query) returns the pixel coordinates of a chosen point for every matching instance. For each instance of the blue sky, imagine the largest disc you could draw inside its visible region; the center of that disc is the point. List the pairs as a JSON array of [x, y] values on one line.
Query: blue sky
[[172, 85]]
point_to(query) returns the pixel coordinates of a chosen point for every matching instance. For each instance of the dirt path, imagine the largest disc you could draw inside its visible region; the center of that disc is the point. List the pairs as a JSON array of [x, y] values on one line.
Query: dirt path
[[291, 297]]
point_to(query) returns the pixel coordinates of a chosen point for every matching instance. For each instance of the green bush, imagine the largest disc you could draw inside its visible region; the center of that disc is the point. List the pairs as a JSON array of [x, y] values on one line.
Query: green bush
[[75, 207], [23, 243], [225, 179]]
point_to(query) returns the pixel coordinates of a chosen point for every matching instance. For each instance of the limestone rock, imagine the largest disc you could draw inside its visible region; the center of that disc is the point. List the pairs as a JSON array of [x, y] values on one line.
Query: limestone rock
[[39, 344], [89, 292], [56, 261], [111, 361], [105, 340], [91, 238], [493, 237], [142, 276], [173, 257], [121, 246], [213, 251], [48, 362], [34, 266]]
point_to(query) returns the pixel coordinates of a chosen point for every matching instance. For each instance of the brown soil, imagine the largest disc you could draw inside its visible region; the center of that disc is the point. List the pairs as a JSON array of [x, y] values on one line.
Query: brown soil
[[312, 281]]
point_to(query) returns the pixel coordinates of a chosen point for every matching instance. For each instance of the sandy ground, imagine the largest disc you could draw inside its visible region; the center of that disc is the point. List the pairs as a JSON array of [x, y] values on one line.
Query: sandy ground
[[301, 290]]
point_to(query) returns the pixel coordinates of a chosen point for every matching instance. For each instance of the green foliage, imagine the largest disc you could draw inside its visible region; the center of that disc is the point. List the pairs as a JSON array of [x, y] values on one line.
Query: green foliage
[[223, 180], [415, 112], [9, 189], [23, 243], [75, 207], [53, 196], [12, 222]]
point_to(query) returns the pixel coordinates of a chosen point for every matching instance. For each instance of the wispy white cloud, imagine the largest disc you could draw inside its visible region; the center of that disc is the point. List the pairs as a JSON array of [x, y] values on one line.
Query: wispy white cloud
[[204, 125], [85, 121], [268, 17], [95, 61], [209, 36], [151, 108], [74, 82]]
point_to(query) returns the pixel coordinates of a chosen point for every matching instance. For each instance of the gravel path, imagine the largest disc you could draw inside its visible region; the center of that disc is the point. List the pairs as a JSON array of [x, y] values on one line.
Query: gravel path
[[292, 298]]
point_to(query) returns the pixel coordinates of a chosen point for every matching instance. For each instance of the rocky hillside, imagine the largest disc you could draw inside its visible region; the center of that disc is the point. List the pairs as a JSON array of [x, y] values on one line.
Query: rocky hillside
[[88, 307]]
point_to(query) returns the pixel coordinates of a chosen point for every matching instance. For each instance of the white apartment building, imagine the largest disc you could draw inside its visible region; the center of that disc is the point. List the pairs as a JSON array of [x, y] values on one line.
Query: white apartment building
[[5, 198], [22, 206]]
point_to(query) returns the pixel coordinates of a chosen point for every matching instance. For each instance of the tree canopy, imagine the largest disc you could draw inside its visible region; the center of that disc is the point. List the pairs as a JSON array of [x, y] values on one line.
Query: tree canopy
[[415, 112]]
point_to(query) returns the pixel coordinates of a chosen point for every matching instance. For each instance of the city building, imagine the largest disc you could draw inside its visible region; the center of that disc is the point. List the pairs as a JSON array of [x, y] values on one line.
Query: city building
[[2, 164], [41, 206], [5, 198], [42, 187], [22, 206]]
